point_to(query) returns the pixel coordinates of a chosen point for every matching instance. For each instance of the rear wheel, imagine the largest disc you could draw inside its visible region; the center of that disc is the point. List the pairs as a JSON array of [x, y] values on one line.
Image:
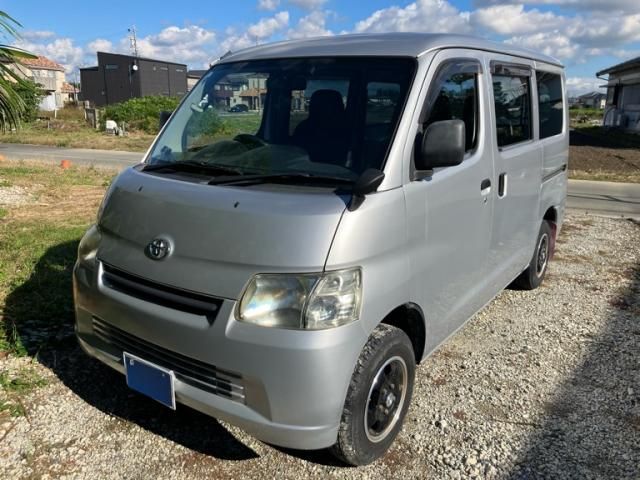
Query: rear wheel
[[533, 276], [378, 397]]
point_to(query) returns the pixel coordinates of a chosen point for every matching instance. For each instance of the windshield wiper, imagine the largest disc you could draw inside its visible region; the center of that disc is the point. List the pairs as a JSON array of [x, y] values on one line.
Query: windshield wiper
[[191, 166], [286, 178]]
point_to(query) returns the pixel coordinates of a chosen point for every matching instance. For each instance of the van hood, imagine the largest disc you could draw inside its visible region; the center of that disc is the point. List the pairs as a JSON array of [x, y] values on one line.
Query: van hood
[[220, 236]]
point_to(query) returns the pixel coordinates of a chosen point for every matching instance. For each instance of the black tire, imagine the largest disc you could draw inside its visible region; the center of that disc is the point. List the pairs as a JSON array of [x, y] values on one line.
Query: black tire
[[533, 276], [387, 356]]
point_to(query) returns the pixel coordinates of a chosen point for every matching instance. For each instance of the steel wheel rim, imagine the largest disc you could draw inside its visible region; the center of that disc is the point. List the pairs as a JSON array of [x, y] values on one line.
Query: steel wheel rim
[[542, 256], [386, 399]]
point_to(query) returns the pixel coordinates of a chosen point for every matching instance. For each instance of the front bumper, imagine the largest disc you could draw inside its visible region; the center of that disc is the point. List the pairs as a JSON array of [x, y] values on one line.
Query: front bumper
[[284, 387]]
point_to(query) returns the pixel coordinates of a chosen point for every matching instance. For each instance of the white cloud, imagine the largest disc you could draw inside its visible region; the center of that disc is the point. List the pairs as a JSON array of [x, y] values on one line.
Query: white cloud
[[268, 4], [308, 4], [514, 19], [580, 85], [100, 45], [266, 27], [255, 33], [605, 30], [312, 25], [581, 5], [419, 16], [553, 43], [192, 44], [61, 50]]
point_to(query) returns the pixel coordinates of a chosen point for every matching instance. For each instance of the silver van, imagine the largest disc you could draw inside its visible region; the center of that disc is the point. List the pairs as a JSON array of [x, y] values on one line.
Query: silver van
[[288, 278]]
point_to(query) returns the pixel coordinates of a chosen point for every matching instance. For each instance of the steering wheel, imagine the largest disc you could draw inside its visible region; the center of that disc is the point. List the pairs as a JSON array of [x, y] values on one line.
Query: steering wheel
[[251, 141]]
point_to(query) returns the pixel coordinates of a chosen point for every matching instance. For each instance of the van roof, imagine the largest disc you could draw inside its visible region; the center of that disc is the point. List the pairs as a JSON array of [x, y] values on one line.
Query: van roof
[[379, 44]]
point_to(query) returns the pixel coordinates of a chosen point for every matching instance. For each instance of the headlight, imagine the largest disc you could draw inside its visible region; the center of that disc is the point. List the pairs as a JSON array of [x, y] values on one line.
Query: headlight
[[313, 301], [89, 247]]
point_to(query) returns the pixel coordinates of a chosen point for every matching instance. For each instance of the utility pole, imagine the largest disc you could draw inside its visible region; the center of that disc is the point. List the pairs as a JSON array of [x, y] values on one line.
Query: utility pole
[[133, 41]]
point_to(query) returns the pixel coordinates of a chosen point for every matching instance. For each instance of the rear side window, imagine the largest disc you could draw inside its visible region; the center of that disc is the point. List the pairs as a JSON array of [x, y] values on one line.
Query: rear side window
[[512, 100], [454, 96], [550, 105]]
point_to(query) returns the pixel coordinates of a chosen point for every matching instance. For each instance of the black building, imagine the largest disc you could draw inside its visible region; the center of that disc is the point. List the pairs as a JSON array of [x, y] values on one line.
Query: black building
[[120, 77]]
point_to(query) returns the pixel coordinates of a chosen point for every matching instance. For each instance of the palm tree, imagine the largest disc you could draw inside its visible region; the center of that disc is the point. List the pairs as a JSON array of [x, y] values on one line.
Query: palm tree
[[11, 104]]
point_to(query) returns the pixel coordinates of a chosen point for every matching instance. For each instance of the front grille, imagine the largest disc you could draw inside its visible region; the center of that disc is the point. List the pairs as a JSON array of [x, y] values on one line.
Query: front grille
[[188, 370], [158, 293]]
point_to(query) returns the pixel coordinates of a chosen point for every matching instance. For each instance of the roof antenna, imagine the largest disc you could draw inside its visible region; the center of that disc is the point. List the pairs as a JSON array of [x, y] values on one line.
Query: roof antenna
[[133, 41]]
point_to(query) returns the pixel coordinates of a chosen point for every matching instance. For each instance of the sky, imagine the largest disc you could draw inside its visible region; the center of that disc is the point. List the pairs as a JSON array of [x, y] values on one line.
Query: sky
[[586, 35]]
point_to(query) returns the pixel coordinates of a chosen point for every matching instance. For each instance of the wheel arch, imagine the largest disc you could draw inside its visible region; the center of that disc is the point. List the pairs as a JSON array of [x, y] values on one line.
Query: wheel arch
[[551, 214], [409, 318]]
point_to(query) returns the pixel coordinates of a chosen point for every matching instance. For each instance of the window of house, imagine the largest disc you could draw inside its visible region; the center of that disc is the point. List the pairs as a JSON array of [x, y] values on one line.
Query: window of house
[[612, 95], [512, 101], [550, 105], [631, 97], [111, 66], [455, 97]]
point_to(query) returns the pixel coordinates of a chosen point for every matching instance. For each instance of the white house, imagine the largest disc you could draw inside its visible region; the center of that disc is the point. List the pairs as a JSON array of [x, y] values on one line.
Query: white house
[[48, 74], [623, 95]]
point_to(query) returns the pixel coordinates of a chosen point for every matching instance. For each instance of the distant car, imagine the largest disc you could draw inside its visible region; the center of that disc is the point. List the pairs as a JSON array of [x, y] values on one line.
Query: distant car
[[240, 108]]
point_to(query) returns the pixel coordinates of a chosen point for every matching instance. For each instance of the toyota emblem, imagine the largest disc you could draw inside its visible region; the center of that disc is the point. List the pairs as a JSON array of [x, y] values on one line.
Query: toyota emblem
[[158, 248]]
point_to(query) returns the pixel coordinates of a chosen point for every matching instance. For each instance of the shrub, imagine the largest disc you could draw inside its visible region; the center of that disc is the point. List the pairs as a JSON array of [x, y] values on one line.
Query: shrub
[[140, 113], [31, 93]]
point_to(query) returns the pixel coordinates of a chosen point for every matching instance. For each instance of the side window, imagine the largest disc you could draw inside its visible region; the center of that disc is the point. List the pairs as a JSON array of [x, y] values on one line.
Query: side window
[[512, 101], [550, 105], [454, 96]]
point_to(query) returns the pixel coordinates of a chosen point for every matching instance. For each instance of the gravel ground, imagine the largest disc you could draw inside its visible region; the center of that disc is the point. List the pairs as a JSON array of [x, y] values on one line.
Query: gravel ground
[[542, 384]]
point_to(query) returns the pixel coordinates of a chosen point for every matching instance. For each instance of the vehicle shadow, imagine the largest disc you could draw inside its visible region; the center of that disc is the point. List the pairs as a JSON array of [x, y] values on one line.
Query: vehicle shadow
[[39, 318], [592, 426]]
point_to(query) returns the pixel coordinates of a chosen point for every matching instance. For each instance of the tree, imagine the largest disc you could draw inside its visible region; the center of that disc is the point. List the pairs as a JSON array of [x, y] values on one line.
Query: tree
[[30, 93], [12, 105]]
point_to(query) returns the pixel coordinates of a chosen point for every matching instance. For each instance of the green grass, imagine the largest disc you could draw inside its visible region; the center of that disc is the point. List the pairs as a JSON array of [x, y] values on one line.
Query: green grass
[[241, 123], [37, 253], [25, 381], [589, 112], [16, 386]]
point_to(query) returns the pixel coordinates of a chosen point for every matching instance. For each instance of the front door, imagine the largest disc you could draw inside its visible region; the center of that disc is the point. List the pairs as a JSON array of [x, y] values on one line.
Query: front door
[[450, 209]]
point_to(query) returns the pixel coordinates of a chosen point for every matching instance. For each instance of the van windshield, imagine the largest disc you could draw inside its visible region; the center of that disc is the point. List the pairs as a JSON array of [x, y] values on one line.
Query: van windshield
[[329, 117]]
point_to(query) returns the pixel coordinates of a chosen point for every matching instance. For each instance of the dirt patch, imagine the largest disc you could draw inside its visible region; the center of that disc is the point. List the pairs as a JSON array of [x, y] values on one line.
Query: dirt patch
[[13, 195], [598, 155], [78, 201]]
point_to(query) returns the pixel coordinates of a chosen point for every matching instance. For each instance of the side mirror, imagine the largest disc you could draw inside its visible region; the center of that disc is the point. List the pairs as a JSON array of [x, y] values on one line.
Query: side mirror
[[368, 182], [442, 145], [164, 117]]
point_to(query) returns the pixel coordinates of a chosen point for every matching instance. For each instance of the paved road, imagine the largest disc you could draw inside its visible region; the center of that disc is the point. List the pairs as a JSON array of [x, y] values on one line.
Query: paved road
[[603, 198], [82, 156]]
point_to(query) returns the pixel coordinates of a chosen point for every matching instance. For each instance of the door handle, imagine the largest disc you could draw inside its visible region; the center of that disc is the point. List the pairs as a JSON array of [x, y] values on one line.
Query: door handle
[[485, 186], [502, 185]]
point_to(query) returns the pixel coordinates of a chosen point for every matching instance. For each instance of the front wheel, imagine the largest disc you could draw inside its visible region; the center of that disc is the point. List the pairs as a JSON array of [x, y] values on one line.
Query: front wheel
[[532, 277], [378, 397]]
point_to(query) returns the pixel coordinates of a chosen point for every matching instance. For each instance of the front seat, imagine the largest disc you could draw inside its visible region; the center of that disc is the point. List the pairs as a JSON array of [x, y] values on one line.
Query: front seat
[[324, 134]]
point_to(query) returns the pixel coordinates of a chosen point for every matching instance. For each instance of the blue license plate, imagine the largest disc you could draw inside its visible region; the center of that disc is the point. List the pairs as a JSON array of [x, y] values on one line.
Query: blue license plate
[[154, 381]]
